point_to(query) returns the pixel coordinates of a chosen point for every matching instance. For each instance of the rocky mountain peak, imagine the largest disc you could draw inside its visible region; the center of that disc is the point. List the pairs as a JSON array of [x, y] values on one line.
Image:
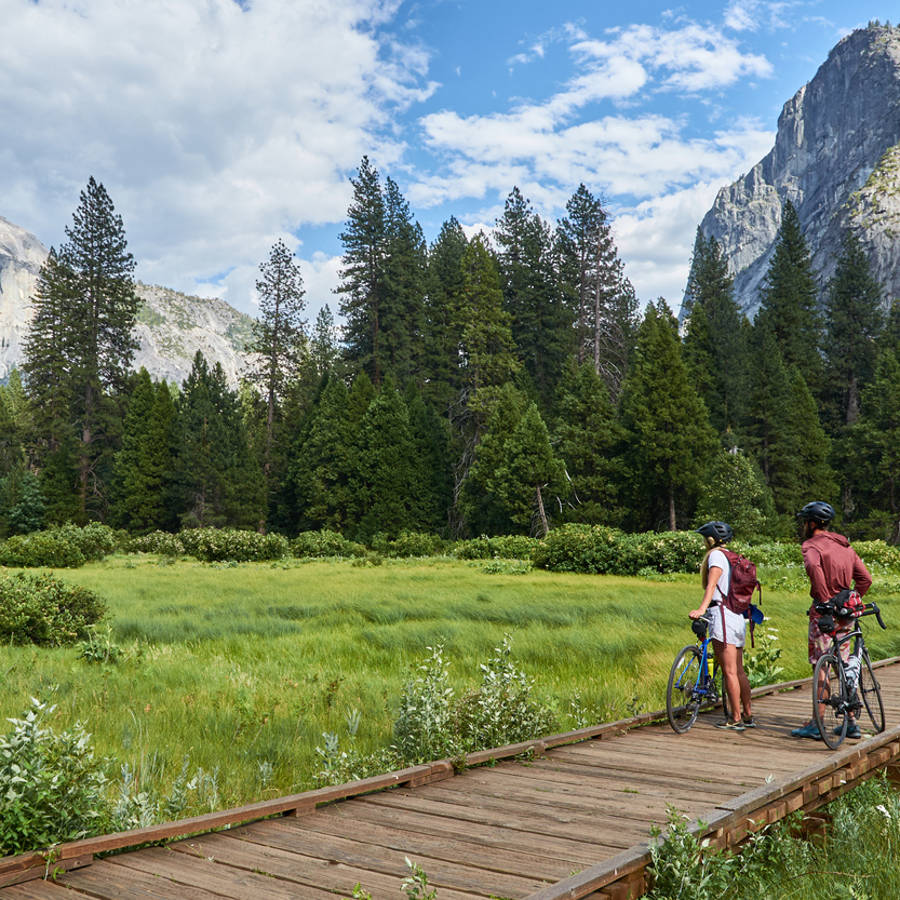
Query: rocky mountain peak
[[171, 326], [836, 158]]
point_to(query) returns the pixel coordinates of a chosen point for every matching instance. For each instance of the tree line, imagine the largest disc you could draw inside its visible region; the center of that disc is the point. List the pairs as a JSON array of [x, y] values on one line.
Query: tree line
[[481, 385]]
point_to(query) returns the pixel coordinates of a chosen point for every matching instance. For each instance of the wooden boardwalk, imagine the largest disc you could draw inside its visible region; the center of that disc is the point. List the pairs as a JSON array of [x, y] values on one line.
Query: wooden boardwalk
[[570, 822]]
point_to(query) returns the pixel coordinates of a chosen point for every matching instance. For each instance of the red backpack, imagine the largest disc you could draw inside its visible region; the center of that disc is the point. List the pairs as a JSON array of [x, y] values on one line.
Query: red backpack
[[742, 583]]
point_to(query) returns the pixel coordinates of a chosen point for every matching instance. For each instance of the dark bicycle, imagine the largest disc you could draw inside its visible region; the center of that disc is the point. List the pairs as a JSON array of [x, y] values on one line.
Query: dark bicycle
[[691, 683], [842, 690]]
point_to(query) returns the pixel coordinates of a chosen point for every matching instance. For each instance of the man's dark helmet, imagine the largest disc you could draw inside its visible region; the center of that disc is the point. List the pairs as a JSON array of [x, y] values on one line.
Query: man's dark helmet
[[719, 531], [819, 511]]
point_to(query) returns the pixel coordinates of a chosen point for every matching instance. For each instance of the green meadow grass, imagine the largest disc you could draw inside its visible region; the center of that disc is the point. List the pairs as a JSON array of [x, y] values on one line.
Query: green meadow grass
[[241, 668]]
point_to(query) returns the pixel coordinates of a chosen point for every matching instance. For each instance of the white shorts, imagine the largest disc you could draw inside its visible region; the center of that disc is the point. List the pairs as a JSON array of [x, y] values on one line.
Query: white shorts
[[735, 626]]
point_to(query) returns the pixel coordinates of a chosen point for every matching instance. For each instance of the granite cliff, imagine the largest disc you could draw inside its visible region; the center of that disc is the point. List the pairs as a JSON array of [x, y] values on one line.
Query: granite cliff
[[836, 158], [171, 327]]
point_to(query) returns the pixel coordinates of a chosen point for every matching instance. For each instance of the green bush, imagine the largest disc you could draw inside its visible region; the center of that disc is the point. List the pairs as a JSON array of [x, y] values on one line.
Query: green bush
[[510, 546], [774, 554], [593, 549], [408, 544], [41, 548], [219, 544], [42, 610], [66, 546], [53, 787], [161, 542], [878, 553], [324, 543]]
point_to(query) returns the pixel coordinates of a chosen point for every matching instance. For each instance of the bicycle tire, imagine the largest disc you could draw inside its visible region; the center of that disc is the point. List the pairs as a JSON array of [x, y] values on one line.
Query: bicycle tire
[[830, 700], [682, 703], [870, 693], [721, 693]]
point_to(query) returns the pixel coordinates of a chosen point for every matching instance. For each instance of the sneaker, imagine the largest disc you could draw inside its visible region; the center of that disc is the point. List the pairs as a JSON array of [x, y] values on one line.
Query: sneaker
[[748, 722], [728, 725], [852, 731], [809, 730]]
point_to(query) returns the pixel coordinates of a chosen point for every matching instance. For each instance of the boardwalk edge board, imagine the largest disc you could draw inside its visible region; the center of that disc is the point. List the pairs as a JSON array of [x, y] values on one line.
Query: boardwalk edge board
[[32, 865]]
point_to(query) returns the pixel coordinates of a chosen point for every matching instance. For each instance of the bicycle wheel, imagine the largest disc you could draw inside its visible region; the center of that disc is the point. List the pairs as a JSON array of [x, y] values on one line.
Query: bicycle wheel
[[829, 701], [682, 702], [870, 693], [721, 693]]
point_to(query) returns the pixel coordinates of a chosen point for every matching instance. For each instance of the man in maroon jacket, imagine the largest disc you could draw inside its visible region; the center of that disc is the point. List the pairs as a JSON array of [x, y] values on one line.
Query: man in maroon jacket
[[833, 566]]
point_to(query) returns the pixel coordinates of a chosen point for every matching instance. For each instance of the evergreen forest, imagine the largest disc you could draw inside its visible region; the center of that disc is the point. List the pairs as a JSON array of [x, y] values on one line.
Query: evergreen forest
[[500, 384]]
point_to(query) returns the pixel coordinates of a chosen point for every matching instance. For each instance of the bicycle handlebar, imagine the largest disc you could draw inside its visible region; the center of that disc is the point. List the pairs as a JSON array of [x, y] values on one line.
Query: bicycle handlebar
[[871, 609]]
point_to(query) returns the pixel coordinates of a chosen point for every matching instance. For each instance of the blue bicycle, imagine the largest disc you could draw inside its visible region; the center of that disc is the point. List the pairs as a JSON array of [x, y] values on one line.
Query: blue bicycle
[[693, 683]]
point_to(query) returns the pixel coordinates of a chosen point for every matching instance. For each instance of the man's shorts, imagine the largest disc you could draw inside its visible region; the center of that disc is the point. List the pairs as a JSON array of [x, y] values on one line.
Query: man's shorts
[[735, 626], [819, 643]]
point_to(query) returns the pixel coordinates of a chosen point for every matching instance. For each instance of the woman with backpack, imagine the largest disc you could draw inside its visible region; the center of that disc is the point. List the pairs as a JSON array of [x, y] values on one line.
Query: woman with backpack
[[726, 628]]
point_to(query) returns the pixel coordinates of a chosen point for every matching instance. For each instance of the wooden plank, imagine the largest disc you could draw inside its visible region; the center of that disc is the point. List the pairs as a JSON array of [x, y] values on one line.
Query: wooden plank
[[183, 871], [107, 881], [577, 827], [37, 889], [500, 837], [316, 837], [345, 866]]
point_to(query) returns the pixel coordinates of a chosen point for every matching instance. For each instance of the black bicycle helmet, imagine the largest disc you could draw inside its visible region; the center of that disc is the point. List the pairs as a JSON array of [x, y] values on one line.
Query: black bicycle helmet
[[719, 531], [818, 510]]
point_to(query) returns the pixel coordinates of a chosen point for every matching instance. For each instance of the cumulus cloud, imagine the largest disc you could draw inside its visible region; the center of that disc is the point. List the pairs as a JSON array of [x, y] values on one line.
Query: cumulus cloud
[[216, 126]]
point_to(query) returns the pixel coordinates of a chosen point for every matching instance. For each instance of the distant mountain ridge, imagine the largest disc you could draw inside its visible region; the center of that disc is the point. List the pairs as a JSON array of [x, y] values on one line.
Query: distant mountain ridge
[[836, 158], [171, 327]]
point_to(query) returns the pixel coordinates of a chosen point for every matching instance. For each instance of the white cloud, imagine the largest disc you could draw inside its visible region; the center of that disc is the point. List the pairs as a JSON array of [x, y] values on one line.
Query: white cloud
[[216, 129]]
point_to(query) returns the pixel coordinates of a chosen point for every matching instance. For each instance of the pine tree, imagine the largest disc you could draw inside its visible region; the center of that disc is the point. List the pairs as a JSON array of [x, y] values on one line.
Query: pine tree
[[385, 465], [853, 321], [443, 325], [431, 479], [362, 275], [671, 440], [323, 345], [320, 472], [513, 468], [735, 491], [872, 449], [783, 429], [279, 339], [788, 300], [714, 350], [143, 466], [541, 324], [403, 279], [593, 279], [487, 344], [219, 480], [85, 306], [588, 438]]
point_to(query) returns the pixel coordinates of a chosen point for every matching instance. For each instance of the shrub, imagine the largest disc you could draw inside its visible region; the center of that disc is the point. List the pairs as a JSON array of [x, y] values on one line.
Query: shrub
[[878, 553], [161, 542], [772, 554], [42, 548], [94, 540], [502, 710], [218, 544], [324, 543], [594, 549], [510, 546], [40, 609], [52, 785], [423, 727], [408, 544]]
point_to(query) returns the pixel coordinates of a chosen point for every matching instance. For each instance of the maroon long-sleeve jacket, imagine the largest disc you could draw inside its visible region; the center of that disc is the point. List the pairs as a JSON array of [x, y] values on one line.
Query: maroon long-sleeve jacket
[[833, 565]]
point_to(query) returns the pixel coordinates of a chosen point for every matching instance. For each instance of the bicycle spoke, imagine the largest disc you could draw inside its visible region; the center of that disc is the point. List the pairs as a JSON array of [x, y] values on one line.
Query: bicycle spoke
[[870, 694], [829, 700], [682, 699]]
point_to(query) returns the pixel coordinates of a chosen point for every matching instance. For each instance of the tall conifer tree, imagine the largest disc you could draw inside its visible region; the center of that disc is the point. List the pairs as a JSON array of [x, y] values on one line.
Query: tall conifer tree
[[279, 339], [85, 306], [788, 300], [670, 438]]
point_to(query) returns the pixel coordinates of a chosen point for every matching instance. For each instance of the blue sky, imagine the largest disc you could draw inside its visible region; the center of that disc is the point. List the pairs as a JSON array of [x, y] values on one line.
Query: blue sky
[[218, 127]]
